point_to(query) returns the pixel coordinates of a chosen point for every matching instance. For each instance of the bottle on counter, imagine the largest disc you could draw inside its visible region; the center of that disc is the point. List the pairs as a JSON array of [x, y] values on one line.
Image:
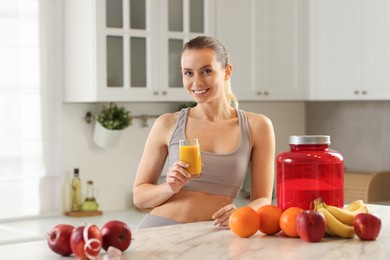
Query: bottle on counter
[[76, 191], [90, 203], [67, 201]]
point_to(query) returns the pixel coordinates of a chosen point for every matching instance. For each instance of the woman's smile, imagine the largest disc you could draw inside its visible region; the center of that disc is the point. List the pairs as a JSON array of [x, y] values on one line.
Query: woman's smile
[[200, 91]]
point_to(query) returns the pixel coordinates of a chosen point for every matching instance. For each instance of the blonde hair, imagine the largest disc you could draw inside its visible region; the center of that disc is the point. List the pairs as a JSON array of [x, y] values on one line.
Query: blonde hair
[[206, 42]]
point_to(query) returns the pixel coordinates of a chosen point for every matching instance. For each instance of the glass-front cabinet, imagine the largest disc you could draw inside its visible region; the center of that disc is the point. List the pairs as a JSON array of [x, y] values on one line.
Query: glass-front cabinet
[[183, 20], [129, 50]]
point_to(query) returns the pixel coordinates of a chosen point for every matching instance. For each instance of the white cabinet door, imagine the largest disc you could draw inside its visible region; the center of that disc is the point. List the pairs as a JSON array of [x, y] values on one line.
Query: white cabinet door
[[126, 50], [108, 55], [335, 49], [349, 49], [125, 69], [335, 66], [279, 53], [376, 55], [265, 42]]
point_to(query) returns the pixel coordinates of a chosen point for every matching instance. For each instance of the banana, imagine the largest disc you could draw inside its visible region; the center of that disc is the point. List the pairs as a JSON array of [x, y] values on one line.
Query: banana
[[334, 227], [345, 216], [354, 205]]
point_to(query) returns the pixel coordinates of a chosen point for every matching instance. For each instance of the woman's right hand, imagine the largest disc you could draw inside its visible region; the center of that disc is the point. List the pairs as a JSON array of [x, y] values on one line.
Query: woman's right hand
[[177, 176]]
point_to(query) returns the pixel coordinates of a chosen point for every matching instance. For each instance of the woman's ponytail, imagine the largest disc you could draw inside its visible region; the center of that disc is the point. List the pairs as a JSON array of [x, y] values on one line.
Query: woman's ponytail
[[229, 94]]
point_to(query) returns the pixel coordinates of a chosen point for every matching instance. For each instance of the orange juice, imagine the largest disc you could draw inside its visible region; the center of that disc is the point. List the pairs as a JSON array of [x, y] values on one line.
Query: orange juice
[[191, 155]]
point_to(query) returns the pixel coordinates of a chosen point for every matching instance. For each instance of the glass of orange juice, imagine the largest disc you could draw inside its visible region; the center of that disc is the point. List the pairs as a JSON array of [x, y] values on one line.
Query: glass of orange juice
[[190, 153]]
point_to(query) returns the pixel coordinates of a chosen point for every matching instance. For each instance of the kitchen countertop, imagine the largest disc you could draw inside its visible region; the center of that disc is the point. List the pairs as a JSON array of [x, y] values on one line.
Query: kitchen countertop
[[26, 230], [202, 240]]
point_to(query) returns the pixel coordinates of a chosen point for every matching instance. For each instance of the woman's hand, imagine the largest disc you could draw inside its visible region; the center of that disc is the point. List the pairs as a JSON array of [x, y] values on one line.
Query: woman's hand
[[221, 217], [177, 176]]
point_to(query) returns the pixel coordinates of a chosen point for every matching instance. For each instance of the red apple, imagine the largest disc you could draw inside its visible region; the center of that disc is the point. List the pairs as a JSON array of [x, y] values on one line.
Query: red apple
[[86, 241], [367, 226], [59, 239], [311, 225], [116, 234]]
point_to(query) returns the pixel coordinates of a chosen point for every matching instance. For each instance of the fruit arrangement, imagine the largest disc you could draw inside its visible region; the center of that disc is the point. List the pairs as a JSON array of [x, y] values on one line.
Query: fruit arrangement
[[86, 241], [310, 225], [339, 221]]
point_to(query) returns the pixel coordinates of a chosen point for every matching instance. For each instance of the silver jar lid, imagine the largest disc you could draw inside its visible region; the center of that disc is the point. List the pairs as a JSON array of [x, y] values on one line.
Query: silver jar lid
[[309, 139]]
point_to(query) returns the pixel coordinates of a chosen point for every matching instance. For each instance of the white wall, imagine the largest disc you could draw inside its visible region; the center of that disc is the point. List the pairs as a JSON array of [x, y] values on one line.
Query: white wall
[[113, 170]]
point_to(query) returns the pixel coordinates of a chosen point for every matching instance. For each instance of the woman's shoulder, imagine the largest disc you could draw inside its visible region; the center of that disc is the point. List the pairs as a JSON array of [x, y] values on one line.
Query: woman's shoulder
[[261, 128], [255, 119], [163, 127], [167, 120]]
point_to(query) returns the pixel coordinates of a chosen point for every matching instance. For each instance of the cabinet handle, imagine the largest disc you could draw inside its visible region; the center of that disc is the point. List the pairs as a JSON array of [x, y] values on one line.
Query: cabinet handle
[[155, 93], [356, 92], [164, 93], [266, 93], [364, 92], [258, 93]]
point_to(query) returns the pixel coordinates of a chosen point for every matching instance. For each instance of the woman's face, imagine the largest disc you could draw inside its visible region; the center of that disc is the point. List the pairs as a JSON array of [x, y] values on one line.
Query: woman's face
[[203, 75]]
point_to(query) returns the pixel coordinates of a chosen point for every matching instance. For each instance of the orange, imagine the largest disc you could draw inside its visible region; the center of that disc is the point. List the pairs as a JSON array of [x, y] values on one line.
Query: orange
[[269, 219], [244, 221], [288, 221]]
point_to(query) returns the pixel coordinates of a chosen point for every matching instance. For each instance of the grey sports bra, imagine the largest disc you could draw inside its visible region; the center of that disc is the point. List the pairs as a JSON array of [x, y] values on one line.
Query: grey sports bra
[[222, 174]]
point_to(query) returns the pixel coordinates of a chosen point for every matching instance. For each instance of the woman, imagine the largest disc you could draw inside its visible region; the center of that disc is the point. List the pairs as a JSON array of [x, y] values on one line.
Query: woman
[[230, 140]]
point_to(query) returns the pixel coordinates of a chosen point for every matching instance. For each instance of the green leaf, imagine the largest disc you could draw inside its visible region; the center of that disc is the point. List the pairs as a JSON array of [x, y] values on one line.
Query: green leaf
[[114, 117]]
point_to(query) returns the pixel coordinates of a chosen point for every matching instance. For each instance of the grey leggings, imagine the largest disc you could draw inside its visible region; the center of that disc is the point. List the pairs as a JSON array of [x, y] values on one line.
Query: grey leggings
[[155, 221]]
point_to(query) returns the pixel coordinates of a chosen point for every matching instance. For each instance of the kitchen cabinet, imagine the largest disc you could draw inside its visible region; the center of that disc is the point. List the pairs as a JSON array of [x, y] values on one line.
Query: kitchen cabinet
[[349, 50], [129, 50], [265, 40]]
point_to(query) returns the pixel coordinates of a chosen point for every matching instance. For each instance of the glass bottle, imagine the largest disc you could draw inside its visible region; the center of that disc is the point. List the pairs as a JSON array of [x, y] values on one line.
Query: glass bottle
[[90, 203], [76, 191], [308, 171]]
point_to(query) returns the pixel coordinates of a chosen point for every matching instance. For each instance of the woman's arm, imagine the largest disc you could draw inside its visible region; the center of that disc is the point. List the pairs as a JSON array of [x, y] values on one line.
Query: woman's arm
[[146, 192], [262, 160]]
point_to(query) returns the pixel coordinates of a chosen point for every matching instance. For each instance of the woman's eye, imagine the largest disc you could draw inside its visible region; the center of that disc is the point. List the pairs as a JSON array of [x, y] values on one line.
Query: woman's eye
[[187, 73], [207, 71]]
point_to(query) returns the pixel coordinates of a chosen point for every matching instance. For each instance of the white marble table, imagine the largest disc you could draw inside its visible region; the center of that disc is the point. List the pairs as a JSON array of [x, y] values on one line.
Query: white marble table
[[204, 241]]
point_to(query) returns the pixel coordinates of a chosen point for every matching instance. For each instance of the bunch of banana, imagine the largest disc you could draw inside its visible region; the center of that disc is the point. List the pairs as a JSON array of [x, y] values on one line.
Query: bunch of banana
[[339, 221]]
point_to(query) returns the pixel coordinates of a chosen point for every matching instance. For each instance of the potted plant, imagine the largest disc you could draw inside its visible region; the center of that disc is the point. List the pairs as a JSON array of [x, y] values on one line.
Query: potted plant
[[109, 125]]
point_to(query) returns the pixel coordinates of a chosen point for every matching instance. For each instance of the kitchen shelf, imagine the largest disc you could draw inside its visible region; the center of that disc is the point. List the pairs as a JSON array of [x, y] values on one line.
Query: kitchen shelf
[[80, 214]]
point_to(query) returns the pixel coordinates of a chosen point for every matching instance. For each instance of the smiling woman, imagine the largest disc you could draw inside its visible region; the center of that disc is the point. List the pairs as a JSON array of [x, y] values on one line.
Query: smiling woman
[[30, 108], [229, 143]]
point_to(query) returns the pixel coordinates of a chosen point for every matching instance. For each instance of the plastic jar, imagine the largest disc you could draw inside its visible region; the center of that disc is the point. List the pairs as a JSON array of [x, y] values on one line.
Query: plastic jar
[[308, 171]]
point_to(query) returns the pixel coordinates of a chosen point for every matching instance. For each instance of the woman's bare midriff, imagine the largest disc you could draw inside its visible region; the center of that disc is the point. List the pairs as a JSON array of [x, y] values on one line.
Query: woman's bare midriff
[[191, 206]]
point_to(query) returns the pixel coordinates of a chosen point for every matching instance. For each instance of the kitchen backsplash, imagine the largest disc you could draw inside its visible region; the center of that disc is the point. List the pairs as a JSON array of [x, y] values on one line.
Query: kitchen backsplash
[[359, 130]]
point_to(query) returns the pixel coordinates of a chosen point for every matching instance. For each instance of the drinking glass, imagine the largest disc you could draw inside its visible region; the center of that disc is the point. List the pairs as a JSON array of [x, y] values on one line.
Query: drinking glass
[[190, 153]]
